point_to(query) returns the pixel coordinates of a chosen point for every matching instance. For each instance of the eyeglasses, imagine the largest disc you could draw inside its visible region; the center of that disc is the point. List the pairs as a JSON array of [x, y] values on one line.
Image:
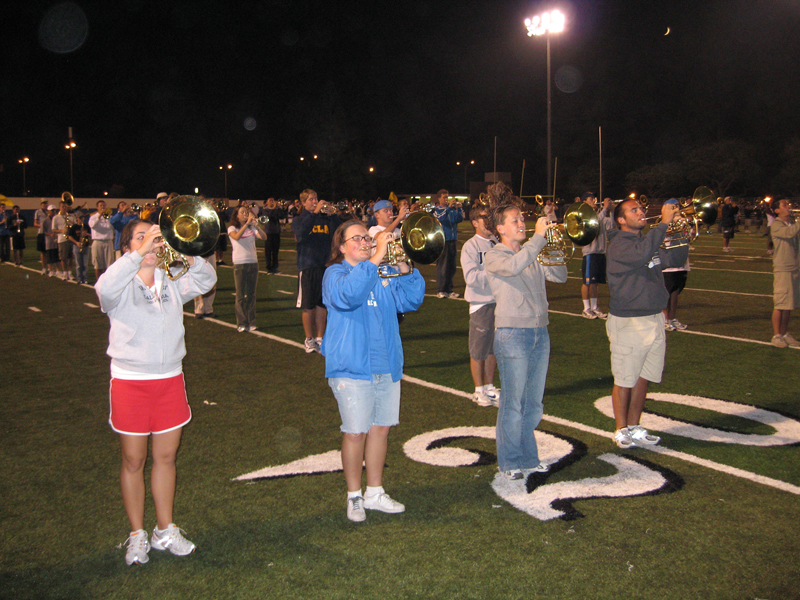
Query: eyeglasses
[[360, 238]]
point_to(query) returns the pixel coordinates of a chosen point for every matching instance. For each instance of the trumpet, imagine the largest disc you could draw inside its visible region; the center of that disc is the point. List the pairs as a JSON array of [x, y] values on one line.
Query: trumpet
[[136, 208], [327, 208]]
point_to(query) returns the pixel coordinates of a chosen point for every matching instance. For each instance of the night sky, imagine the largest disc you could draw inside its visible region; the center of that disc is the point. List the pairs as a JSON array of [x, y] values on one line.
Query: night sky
[[160, 94]]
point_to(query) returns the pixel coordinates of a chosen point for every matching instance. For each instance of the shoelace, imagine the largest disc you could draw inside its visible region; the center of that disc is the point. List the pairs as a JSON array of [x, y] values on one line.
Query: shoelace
[[139, 540], [357, 502]]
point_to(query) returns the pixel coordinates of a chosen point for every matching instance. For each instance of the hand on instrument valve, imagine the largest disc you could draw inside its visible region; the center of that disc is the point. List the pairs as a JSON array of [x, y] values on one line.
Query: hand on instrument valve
[[382, 241], [152, 241], [542, 225], [669, 212]]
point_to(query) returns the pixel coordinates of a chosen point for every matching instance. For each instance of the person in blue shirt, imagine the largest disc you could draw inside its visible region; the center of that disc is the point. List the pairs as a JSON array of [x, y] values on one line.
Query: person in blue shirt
[[118, 220], [364, 356], [449, 216]]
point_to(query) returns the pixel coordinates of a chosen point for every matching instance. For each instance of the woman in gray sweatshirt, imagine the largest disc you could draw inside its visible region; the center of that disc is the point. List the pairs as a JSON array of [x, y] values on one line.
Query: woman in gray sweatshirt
[[147, 392], [521, 340]]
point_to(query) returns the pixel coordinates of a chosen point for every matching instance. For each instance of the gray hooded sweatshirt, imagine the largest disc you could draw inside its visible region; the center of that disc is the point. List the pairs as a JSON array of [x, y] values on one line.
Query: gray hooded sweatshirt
[[633, 268]]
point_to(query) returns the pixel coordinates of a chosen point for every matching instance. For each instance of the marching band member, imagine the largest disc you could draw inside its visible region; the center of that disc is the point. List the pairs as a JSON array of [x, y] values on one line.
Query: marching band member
[[521, 340], [364, 356], [102, 239], [148, 395], [243, 231], [635, 325]]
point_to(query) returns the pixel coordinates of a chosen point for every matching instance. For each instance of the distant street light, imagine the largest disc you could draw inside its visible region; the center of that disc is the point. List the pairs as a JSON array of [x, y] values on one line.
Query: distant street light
[[225, 170], [549, 22], [71, 146], [23, 161], [466, 164]]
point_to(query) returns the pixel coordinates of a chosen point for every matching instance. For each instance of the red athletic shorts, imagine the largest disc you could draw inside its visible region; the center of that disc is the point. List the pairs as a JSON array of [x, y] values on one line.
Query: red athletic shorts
[[149, 406]]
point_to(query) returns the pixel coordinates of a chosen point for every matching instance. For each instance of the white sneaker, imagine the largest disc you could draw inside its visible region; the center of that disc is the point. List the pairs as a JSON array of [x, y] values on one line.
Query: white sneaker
[[171, 539], [384, 503], [493, 394], [310, 345], [540, 468], [789, 339], [481, 399], [668, 326], [355, 509], [622, 438], [641, 437], [138, 547], [588, 314], [44, 271], [241, 329], [441, 295], [453, 295], [600, 314], [513, 474], [779, 342], [678, 325]]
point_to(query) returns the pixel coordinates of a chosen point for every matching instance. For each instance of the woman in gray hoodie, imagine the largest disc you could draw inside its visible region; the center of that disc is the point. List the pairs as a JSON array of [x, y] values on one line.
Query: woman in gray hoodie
[[521, 340], [147, 392]]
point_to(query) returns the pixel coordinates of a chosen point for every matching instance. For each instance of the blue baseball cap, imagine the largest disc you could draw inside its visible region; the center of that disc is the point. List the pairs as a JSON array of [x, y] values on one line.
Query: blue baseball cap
[[672, 201], [381, 204]]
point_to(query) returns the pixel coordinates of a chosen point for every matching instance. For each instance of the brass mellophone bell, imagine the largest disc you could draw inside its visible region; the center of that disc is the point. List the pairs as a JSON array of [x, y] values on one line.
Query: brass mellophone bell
[[190, 227], [421, 240]]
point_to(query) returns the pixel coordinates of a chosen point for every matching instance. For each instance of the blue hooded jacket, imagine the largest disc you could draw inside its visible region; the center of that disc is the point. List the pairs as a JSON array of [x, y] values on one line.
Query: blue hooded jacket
[[346, 289]]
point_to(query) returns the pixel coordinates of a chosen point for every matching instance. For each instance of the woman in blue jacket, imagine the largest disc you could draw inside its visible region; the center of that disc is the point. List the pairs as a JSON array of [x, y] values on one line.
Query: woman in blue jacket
[[364, 356]]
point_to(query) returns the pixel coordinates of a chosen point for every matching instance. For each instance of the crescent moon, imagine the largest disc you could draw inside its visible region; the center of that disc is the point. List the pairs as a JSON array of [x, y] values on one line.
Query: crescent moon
[[668, 30]]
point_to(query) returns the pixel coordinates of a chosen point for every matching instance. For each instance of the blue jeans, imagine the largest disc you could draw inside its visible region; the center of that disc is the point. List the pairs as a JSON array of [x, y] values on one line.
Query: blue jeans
[[522, 355]]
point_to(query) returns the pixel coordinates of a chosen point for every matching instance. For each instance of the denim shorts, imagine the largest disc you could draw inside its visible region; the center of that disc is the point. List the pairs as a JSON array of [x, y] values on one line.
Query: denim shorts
[[364, 403]]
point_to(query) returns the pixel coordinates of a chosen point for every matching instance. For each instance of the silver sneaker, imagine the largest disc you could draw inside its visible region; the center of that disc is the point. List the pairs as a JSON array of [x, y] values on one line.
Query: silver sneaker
[[622, 438], [588, 314], [513, 474], [384, 503], [311, 345], [641, 437], [355, 509], [171, 539], [678, 325], [138, 547]]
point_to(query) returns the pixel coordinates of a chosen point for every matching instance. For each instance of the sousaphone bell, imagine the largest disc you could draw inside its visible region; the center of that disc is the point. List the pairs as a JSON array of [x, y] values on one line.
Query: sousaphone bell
[[190, 227]]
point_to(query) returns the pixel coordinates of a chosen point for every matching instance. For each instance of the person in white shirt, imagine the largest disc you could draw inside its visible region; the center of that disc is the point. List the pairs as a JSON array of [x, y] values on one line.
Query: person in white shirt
[[384, 215], [482, 362], [243, 231], [102, 240]]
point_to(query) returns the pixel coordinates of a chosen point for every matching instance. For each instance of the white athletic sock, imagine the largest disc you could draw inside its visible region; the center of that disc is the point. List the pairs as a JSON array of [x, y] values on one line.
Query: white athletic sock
[[355, 494], [586, 305], [593, 303], [373, 491], [480, 388]]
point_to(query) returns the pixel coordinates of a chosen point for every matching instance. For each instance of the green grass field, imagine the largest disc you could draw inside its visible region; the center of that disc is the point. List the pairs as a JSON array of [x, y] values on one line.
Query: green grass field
[[723, 526]]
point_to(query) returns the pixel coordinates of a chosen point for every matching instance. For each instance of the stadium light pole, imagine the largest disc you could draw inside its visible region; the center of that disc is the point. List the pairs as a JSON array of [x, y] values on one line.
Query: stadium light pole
[[71, 146], [547, 23], [466, 165], [225, 170], [23, 161]]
